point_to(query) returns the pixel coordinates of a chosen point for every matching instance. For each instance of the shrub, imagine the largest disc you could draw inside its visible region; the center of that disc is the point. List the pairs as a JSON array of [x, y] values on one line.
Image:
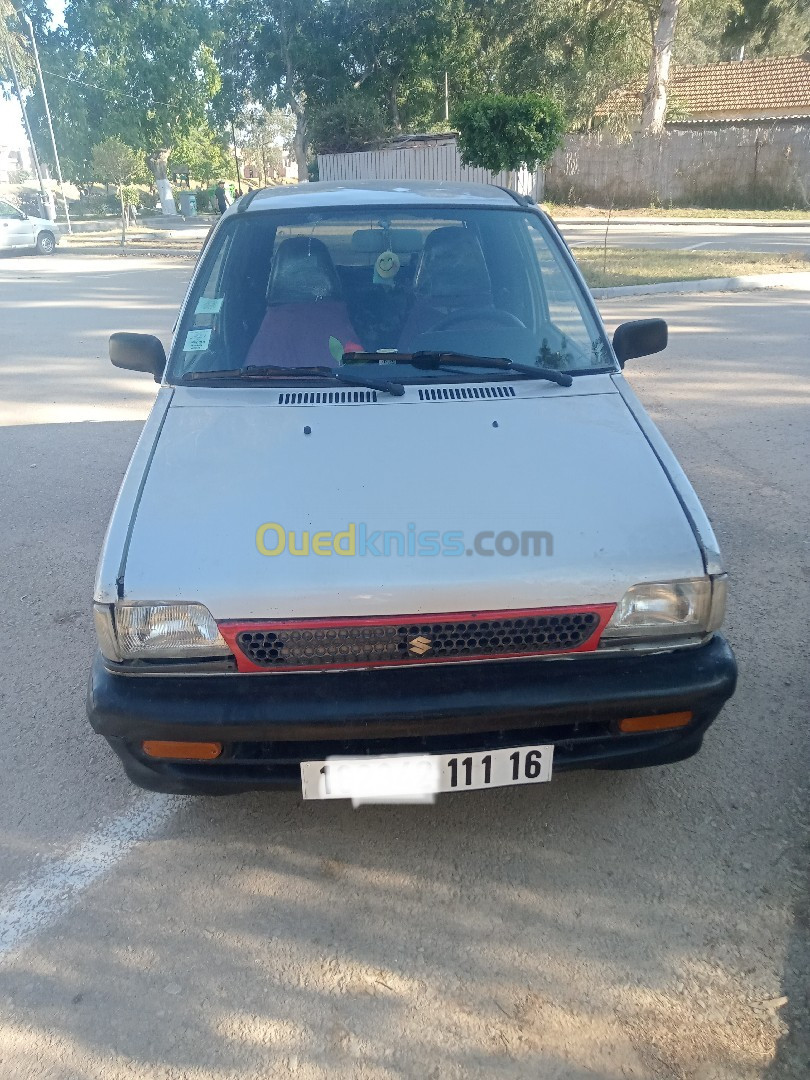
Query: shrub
[[502, 132]]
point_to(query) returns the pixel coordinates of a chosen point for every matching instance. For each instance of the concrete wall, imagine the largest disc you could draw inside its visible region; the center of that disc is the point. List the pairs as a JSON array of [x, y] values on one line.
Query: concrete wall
[[431, 160], [750, 164]]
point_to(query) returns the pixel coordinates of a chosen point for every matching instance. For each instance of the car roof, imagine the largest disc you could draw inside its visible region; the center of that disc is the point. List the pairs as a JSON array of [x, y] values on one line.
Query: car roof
[[348, 193]]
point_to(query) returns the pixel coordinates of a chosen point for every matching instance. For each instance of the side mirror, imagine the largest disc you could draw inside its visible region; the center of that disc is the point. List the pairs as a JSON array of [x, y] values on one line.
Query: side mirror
[[642, 337], [138, 352]]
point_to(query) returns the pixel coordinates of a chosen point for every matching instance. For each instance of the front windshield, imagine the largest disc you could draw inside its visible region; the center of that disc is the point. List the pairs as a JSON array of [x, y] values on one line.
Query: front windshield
[[302, 289]]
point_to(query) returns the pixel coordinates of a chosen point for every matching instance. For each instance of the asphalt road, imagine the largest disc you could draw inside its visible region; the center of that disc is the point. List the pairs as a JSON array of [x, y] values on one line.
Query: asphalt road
[[696, 236], [604, 926]]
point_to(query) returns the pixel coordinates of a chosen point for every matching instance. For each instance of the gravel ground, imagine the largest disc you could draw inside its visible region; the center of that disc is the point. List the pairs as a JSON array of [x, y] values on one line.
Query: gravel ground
[[645, 925]]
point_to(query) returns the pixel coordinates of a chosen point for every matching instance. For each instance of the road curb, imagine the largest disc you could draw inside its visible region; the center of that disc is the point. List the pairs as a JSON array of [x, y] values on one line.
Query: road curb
[[116, 249], [799, 279], [782, 223]]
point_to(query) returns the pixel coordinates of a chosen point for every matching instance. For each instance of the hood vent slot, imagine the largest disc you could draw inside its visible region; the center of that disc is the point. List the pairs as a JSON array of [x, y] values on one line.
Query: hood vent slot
[[465, 393], [328, 397]]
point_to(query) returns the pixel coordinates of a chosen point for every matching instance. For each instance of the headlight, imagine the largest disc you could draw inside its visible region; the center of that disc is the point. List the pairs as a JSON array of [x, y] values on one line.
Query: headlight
[[668, 609], [159, 631]]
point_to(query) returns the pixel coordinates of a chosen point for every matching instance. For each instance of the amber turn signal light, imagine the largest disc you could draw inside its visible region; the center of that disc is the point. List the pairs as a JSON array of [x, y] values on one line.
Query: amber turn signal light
[[662, 722], [182, 751]]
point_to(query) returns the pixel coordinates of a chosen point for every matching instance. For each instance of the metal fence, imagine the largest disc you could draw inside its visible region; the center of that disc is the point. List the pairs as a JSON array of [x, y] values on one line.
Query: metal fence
[[429, 160]]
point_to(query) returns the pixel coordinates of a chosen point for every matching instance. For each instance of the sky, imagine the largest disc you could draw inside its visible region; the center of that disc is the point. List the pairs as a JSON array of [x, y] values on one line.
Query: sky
[[12, 132], [11, 128]]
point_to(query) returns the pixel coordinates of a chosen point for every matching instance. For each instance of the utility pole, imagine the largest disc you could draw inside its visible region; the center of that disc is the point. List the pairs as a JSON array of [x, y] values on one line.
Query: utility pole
[[446, 99], [33, 148], [48, 116], [236, 160]]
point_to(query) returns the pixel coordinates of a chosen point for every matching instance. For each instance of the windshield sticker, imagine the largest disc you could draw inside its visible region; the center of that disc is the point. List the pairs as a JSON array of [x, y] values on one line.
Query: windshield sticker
[[208, 305], [197, 340]]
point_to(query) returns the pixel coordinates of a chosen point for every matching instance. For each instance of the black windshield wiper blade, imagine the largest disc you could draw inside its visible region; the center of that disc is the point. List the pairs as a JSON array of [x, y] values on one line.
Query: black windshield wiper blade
[[274, 371], [437, 360], [430, 360], [256, 371]]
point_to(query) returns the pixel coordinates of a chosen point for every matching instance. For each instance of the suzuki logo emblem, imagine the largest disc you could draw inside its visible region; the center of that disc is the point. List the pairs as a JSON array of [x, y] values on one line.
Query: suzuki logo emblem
[[418, 646]]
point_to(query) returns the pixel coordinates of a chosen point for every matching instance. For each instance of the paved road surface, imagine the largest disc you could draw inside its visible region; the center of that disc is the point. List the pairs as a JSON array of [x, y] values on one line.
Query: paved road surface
[[693, 237], [643, 925]]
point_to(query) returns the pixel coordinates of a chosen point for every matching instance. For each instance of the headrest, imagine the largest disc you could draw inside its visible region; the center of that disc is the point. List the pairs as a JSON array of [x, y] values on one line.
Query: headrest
[[452, 264], [302, 272]]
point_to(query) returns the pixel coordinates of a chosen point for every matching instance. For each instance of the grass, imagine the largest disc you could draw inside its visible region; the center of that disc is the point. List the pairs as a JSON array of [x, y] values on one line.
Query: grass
[[560, 210], [642, 266]]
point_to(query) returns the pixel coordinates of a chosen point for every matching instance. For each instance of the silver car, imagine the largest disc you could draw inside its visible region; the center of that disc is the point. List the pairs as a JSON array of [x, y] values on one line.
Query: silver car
[[21, 230], [397, 524]]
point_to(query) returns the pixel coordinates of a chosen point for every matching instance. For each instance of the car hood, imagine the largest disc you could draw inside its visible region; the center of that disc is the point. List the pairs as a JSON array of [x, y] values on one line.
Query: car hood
[[573, 466]]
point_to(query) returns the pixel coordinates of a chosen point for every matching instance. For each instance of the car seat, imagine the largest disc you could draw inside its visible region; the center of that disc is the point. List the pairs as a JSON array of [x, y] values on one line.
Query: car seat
[[451, 277], [305, 308]]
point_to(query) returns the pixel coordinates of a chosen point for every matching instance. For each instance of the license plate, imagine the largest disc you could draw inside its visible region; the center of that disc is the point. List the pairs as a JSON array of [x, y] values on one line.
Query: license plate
[[419, 777]]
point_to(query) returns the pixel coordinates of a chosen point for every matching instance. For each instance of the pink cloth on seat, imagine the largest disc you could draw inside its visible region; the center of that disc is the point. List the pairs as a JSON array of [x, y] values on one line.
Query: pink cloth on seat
[[297, 335]]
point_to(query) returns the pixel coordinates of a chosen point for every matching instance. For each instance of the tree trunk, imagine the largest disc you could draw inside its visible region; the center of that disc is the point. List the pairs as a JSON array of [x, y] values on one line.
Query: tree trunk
[[123, 216], [158, 163], [300, 143], [393, 103], [654, 109]]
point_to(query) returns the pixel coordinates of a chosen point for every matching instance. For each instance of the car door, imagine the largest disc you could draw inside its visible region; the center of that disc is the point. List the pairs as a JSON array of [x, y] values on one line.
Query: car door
[[15, 228]]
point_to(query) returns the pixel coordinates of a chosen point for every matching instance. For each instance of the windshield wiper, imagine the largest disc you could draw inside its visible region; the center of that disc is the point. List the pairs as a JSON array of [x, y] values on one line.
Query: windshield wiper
[[448, 361], [278, 371]]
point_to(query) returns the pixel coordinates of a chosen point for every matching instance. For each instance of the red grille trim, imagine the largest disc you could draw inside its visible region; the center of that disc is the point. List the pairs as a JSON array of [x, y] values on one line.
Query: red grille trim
[[231, 631]]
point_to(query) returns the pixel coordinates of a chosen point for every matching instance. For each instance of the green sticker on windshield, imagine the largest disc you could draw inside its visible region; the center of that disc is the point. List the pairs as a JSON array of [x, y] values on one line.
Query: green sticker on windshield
[[336, 349]]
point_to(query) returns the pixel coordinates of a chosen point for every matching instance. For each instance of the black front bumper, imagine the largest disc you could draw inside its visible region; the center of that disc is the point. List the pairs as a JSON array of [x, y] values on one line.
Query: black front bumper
[[270, 723]]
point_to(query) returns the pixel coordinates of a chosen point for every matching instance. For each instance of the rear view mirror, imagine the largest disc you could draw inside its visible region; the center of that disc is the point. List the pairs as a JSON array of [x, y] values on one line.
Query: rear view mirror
[[138, 352], [642, 337]]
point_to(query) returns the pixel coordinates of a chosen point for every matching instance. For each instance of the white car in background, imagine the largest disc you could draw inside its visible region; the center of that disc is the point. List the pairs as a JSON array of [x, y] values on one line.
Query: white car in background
[[20, 230]]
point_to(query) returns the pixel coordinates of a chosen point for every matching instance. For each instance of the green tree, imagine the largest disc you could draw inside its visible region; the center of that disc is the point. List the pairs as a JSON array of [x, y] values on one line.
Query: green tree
[[142, 71], [399, 50], [114, 162], [202, 154], [354, 121], [762, 26], [584, 49], [281, 54], [262, 136], [502, 132]]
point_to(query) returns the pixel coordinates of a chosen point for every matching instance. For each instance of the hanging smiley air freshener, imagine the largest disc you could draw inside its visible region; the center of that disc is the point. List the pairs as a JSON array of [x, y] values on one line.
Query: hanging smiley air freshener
[[386, 268]]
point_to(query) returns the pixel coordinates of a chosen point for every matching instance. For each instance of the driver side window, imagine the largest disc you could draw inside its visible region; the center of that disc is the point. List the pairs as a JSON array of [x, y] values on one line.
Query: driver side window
[[8, 211]]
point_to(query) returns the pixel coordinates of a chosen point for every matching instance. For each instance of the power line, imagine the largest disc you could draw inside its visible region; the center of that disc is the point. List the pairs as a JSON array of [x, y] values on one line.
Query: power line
[[103, 89]]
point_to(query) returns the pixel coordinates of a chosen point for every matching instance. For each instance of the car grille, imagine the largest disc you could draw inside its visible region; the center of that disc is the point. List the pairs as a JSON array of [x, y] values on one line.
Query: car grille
[[317, 643]]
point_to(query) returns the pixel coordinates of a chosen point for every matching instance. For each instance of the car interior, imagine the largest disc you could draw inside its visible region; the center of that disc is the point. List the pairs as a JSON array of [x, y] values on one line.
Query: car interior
[[304, 294]]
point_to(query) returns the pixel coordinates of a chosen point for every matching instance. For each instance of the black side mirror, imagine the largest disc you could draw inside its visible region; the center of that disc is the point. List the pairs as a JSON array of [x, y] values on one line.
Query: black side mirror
[[642, 337], [138, 352]]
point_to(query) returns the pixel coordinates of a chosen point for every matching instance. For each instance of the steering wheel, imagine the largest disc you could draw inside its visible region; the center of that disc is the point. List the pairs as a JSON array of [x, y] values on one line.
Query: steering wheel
[[488, 315]]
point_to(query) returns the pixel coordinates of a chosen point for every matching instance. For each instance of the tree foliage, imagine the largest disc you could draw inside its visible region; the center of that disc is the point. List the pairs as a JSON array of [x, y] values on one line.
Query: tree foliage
[[142, 71], [171, 78], [354, 121], [201, 154], [505, 132]]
